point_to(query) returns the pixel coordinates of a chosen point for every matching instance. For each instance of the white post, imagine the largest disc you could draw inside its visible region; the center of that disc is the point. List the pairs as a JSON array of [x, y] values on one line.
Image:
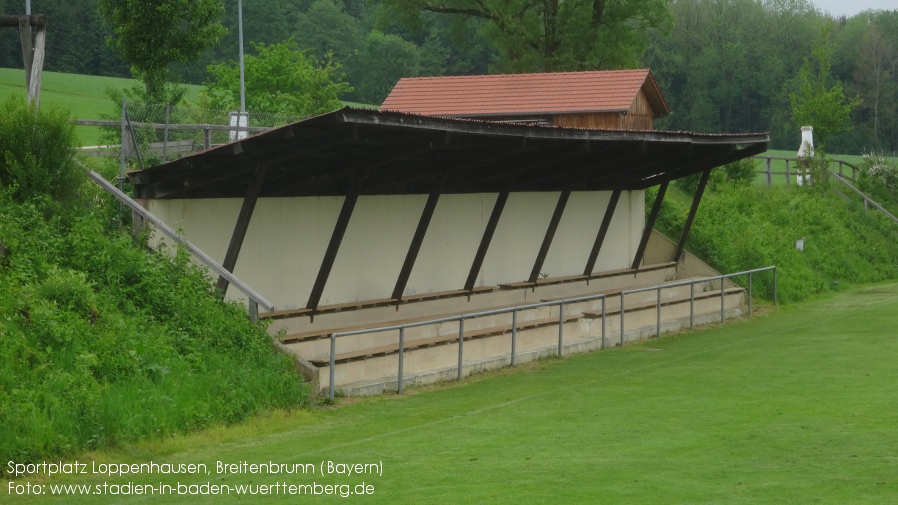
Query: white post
[[805, 152]]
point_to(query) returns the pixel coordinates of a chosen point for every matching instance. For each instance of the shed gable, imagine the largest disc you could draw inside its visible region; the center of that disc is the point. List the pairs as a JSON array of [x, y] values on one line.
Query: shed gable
[[618, 99]]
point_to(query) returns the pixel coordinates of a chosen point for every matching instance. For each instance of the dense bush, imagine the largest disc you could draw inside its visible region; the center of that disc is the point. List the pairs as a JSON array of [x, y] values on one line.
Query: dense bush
[[37, 152], [879, 180], [739, 228], [103, 341], [738, 173]]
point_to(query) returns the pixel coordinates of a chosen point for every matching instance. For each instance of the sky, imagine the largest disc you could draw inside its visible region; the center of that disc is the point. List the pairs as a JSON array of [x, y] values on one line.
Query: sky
[[852, 7]]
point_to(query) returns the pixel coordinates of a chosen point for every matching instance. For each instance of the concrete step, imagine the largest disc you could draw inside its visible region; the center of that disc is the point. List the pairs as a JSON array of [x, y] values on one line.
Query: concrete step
[[315, 345], [429, 359], [387, 312], [570, 346]]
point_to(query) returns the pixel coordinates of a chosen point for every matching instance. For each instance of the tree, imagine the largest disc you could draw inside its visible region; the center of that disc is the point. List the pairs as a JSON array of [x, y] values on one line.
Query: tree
[[877, 62], [325, 27], [37, 152], [152, 34], [547, 35], [385, 59], [816, 102], [280, 79]]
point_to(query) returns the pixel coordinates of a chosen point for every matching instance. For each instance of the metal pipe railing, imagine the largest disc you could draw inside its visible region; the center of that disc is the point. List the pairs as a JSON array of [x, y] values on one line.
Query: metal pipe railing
[[254, 299], [560, 303], [692, 283]]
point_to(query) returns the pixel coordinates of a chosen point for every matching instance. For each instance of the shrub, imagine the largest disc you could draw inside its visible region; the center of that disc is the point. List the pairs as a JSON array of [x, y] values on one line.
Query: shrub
[[103, 342], [37, 152], [749, 227], [736, 174], [879, 180]]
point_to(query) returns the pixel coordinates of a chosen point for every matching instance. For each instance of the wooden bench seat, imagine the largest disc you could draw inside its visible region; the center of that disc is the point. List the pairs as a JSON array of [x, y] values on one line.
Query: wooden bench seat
[[325, 332], [610, 294], [449, 338], [650, 305], [446, 294], [380, 302], [324, 309]]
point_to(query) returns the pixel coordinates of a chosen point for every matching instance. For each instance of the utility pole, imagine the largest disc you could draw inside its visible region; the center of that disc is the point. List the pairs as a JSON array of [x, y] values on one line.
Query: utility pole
[[240, 42]]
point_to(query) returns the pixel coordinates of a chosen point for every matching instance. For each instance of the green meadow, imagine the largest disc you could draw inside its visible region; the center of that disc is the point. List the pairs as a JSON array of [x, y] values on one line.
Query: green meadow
[[83, 95], [796, 405]]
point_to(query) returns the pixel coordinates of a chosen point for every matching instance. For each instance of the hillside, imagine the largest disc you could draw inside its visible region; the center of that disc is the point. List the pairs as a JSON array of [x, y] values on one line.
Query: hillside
[[739, 228], [102, 341]]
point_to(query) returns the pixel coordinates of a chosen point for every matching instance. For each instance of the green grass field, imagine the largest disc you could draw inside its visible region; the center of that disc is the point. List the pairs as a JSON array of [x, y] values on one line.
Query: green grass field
[[85, 96], [797, 406]]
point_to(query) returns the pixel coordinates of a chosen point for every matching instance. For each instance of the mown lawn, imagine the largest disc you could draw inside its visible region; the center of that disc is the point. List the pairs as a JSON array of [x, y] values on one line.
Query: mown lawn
[[797, 406]]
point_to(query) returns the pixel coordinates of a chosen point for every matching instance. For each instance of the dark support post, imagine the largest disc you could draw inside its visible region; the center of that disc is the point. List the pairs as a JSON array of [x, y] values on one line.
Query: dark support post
[[334, 245], [603, 230], [418, 239], [649, 225], [696, 200], [550, 234], [491, 225], [27, 48], [243, 219]]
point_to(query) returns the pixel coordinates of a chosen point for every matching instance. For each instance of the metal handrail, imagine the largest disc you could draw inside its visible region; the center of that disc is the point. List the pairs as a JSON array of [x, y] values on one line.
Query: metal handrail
[[867, 199], [691, 283], [514, 311], [255, 299]]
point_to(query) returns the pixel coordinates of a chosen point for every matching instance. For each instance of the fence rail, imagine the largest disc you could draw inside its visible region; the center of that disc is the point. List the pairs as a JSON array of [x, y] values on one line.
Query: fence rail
[[158, 133], [867, 200], [796, 170], [560, 303], [838, 175], [254, 299]]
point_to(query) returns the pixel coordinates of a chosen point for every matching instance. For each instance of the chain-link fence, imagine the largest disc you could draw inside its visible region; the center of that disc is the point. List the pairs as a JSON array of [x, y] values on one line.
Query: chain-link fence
[[150, 134]]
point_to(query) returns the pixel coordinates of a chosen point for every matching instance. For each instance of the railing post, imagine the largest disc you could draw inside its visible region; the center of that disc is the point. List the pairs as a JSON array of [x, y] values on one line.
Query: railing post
[[749, 294], [253, 310], [769, 172], [207, 138], [622, 318], [603, 321], [560, 327], [722, 299], [461, 343], [401, 353], [692, 305], [330, 393], [122, 152], [165, 132], [787, 173], [514, 334], [658, 314]]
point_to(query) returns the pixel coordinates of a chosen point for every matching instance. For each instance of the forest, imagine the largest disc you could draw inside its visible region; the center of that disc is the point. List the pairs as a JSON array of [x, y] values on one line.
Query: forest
[[723, 65]]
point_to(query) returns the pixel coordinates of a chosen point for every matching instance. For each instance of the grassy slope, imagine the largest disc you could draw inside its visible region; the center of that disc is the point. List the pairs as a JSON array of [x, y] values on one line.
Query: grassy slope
[[793, 407]]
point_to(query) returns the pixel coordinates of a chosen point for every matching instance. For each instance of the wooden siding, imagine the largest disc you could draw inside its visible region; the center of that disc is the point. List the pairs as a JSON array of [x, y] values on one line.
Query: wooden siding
[[593, 121], [639, 117]]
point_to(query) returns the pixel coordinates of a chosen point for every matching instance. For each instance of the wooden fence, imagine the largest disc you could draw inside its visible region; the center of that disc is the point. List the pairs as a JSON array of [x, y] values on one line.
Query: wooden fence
[[794, 169]]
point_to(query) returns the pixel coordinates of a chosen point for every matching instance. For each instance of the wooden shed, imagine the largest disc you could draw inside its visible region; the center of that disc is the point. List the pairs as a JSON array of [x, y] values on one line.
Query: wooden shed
[[600, 100]]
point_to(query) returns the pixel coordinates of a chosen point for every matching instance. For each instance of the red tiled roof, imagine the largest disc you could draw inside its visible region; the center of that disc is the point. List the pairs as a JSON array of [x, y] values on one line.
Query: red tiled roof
[[513, 94]]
